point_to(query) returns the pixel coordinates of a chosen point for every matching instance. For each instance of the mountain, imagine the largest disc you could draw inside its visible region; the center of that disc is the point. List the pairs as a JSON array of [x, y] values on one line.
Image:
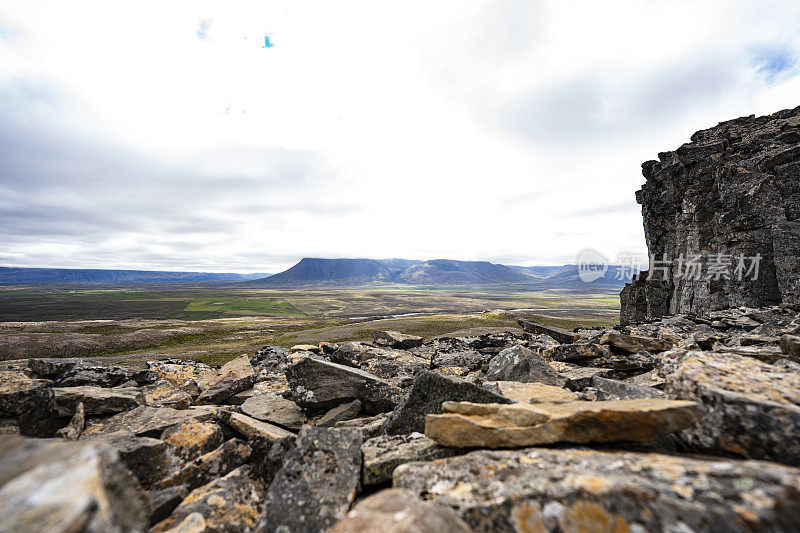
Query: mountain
[[348, 272], [83, 275]]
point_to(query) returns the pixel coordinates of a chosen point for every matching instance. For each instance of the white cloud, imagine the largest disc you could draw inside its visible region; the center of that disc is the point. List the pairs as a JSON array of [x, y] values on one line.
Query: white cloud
[[500, 130]]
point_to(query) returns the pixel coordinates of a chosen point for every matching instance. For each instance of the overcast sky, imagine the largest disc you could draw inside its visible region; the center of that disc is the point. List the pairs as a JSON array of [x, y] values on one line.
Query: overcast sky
[[166, 135]]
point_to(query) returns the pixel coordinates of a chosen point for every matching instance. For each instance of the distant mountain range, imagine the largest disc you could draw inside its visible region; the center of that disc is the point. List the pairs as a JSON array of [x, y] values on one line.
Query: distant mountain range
[[351, 272], [83, 275]]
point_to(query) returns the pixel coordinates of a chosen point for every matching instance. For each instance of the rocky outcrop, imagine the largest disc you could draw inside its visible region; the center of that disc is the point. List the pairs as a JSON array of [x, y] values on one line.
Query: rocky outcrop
[[733, 191]]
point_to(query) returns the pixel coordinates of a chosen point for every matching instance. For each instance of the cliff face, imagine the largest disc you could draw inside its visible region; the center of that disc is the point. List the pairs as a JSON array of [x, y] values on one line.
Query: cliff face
[[726, 201]]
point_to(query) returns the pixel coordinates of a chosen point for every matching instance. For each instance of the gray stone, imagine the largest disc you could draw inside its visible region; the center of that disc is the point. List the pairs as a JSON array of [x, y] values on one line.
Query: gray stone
[[164, 501], [146, 458], [519, 363], [234, 376], [625, 391], [395, 339], [634, 343], [73, 430], [60, 486], [426, 396], [321, 385], [340, 413], [317, 483], [385, 453], [584, 490], [95, 400], [147, 421], [17, 390], [275, 410], [790, 345], [232, 454], [561, 335], [370, 426]]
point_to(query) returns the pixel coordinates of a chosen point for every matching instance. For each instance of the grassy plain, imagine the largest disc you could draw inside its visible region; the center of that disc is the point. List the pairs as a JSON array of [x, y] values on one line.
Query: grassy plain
[[215, 322]]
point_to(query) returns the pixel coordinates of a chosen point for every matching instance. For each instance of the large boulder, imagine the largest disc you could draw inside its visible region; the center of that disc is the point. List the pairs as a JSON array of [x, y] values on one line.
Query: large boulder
[[752, 408], [58, 486], [400, 511], [575, 490], [317, 484], [426, 396], [519, 363], [321, 385], [473, 425], [731, 192]]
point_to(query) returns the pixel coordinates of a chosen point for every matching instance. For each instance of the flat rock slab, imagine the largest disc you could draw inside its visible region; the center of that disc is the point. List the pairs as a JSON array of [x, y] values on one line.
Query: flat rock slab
[[753, 408], [384, 453], [575, 490], [57, 486], [395, 339], [250, 427], [147, 421], [473, 425], [95, 400], [234, 377], [634, 343], [531, 392], [275, 410], [426, 396], [519, 363], [229, 504], [319, 384], [561, 335], [317, 484], [400, 511], [165, 394]]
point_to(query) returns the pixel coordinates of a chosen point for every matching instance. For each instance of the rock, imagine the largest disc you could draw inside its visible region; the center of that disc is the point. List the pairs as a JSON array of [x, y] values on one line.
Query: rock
[[183, 375], [731, 191], [270, 454], [146, 421], [768, 354], [578, 377], [426, 396], [100, 376], [399, 511], [275, 410], [633, 343], [146, 458], [319, 384], [466, 360], [317, 484], [58, 486], [232, 454], [561, 335], [164, 501], [249, 427], [395, 339], [231, 503], [790, 345], [575, 352], [346, 411], [76, 424], [465, 424], [648, 379], [164, 394], [371, 426], [625, 391], [584, 490], [234, 376], [17, 391], [384, 453], [519, 363], [531, 392], [382, 362], [95, 400], [753, 409], [189, 440], [313, 348]]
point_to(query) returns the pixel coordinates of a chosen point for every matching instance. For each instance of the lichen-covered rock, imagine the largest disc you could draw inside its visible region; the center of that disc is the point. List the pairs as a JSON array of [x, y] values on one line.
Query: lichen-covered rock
[[59, 486], [426, 396], [385, 453], [230, 455], [400, 511], [95, 400], [164, 501], [229, 504], [732, 191], [317, 483], [146, 458], [519, 363], [575, 490], [164, 394], [147, 421], [183, 375], [234, 376], [752, 408], [321, 385], [275, 410], [16, 392], [191, 439], [475, 425]]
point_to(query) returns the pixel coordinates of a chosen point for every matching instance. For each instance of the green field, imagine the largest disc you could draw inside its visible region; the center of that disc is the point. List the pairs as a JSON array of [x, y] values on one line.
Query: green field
[[253, 306]]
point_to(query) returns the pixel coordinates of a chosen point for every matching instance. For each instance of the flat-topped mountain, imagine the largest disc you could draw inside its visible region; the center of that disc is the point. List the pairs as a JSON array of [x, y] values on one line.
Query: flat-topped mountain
[[436, 272], [92, 275]]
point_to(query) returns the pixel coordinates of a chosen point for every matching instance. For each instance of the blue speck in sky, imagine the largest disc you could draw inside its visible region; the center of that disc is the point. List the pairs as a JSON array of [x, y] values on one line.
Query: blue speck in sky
[[202, 31], [267, 42], [774, 63]]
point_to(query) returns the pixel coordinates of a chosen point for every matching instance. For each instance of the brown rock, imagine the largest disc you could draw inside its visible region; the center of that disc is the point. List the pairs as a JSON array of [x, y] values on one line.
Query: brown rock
[[250, 427], [531, 392], [634, 343], [275, 410], [16, 392], [189, 440], [561, 335], [147, 421], [395, 339], [465, 424], [234, 376], [165, 394], [95, 400]]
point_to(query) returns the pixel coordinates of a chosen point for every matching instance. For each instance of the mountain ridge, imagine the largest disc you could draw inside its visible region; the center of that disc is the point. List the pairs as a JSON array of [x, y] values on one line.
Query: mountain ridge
[[14, 275]]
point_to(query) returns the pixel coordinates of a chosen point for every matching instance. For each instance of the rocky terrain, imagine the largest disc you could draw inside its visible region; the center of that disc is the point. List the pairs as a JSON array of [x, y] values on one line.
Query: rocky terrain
[[683, 423]]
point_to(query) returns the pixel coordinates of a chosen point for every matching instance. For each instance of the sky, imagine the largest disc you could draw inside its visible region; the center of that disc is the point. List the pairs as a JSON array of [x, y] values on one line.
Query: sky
[[242, 136]]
